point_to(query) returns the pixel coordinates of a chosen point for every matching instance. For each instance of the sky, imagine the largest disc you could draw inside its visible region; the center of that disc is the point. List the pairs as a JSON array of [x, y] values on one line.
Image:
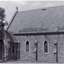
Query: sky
[[10, 6]]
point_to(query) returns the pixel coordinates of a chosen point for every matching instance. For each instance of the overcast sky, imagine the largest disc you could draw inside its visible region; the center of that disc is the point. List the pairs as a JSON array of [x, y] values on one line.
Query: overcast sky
[[10, 6]]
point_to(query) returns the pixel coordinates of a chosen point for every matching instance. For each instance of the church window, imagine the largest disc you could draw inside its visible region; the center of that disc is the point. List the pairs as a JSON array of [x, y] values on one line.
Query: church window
[[13, 49], [27, 46], [45, 47]]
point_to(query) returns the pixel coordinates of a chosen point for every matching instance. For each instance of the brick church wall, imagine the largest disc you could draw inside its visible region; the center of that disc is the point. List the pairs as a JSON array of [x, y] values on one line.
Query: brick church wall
[[42, 57]]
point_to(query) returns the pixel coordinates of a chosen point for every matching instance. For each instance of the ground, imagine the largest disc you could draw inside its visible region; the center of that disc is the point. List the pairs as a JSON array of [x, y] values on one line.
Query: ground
[[19, 61]]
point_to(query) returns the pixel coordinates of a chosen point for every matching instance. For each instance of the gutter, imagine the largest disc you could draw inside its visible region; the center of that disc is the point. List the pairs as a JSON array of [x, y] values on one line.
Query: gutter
[[40, 33]]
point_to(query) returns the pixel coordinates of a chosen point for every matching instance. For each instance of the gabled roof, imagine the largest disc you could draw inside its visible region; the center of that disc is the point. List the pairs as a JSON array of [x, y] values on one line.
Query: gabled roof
[[39, 20], [11, 37]]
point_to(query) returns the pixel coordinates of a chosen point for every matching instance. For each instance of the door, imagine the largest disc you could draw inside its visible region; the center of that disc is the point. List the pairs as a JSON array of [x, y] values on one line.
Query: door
[[1, 49], [15, 51]]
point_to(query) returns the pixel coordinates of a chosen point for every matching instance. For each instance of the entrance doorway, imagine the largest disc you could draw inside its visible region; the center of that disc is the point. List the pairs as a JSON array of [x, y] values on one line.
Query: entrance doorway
[[1, 49]]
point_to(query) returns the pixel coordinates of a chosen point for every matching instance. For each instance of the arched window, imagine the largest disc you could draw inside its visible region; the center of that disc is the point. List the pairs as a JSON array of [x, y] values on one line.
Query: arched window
[[27, 46], [13, 49], [45, 47]]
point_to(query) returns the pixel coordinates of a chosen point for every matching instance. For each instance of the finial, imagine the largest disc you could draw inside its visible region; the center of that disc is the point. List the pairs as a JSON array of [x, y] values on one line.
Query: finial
[[17, 8]]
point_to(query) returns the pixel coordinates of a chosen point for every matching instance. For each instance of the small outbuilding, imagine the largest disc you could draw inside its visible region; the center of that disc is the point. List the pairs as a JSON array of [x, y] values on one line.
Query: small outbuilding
[[9, 46]]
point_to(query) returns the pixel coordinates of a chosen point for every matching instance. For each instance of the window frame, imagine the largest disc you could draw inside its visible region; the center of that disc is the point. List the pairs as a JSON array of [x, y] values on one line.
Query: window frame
[[13, 51], [47, 47], [26, 46]]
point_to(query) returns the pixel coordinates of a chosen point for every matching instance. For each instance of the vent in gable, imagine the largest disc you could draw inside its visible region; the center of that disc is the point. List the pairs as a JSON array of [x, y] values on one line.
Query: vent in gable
[[43, 9]]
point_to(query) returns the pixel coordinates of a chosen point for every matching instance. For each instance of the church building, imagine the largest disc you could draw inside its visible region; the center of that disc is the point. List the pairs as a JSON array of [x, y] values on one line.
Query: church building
[[40, 34]]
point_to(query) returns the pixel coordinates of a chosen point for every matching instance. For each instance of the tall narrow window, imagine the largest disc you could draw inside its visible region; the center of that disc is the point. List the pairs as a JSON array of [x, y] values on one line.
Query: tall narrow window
[[45, 47], [27, 46], [13, 49]]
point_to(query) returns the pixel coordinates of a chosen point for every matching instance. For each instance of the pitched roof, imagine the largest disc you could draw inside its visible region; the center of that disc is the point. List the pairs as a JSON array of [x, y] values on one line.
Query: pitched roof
[[11, 37], [39, 20]]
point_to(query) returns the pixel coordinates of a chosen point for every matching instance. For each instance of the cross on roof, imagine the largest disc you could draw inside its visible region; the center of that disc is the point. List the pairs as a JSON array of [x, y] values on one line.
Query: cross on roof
[[17, 8]]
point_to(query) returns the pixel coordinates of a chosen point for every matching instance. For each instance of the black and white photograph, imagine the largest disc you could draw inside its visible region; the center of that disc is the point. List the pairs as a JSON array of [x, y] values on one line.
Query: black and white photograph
[[31, 31]]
